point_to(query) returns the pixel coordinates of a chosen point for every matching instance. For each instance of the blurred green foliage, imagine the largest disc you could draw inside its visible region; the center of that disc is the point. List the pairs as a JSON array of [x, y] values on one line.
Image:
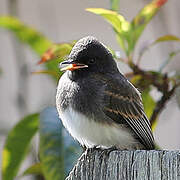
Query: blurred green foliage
[[17, 145], [35, 169], [51, 143], [38, 43], [58, 151], [26, 34]]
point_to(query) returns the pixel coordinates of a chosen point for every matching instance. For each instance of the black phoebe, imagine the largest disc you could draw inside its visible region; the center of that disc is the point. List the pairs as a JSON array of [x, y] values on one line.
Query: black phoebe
[[97, 104]]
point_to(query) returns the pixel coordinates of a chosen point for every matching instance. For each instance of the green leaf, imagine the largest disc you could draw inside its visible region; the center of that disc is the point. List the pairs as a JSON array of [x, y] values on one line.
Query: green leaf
[[118, 22], [154, 125], [135, 79], [144, 17], [115, 5], [161, 39], [17, 145], [121, 41], [57, 51], [38, 42], [34, 169], [148, 102], [128, 33], [65, 151], [167, 37], [177, 92], [51, 145], [53, 56]]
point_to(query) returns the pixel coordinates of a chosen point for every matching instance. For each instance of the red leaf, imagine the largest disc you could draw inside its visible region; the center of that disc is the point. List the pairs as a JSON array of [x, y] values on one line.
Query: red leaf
[[48, 55], [57, 51], [159, 3]]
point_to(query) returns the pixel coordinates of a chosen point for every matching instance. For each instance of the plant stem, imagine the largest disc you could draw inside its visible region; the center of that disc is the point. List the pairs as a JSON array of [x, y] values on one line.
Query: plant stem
[[161, 104], [161, 82]]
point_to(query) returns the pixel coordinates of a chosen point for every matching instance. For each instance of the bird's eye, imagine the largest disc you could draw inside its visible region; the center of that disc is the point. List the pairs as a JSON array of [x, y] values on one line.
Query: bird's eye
[[92, 61]]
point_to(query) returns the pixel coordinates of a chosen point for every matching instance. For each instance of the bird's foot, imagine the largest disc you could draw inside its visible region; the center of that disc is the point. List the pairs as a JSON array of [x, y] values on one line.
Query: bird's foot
[[106, 152], [89, 151], [84, 148]]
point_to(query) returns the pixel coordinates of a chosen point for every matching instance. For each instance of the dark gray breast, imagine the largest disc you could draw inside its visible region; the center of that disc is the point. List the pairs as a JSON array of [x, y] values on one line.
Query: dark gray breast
[[83, 95]]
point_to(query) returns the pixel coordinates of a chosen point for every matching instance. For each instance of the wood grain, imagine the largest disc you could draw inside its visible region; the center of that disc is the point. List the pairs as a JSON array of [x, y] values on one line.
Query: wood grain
[[127, 165]]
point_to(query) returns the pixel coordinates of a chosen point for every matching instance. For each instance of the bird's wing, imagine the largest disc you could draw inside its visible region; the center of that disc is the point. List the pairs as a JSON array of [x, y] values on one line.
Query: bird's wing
[[123, 104]]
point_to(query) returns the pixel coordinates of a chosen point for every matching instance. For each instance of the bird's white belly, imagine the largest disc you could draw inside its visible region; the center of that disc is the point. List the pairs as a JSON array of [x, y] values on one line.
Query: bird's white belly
[[91, 133]]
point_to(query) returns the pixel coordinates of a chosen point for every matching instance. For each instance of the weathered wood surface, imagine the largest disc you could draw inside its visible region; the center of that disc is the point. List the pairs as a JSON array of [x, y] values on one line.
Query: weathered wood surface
[[127, 165]]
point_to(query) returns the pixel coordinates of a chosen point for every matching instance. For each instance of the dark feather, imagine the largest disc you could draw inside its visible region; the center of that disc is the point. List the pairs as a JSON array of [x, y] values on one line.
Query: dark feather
[[123, 105]]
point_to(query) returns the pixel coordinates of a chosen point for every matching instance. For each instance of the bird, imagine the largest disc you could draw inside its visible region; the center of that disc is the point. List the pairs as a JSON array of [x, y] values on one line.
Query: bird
[[97, 104]]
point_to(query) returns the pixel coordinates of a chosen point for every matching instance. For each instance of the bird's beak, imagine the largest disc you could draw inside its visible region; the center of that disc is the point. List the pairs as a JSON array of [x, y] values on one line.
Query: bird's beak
[[71, 65]]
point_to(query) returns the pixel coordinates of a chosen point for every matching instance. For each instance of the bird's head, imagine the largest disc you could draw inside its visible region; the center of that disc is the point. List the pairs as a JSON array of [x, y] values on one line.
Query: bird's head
[[89, 55]]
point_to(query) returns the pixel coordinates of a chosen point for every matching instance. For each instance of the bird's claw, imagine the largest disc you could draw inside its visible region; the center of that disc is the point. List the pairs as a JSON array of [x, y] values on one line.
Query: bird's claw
[[106, 152]]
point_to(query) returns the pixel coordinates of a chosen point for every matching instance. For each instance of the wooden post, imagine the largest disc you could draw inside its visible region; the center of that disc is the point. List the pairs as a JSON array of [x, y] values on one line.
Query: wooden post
[[127, 165]]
